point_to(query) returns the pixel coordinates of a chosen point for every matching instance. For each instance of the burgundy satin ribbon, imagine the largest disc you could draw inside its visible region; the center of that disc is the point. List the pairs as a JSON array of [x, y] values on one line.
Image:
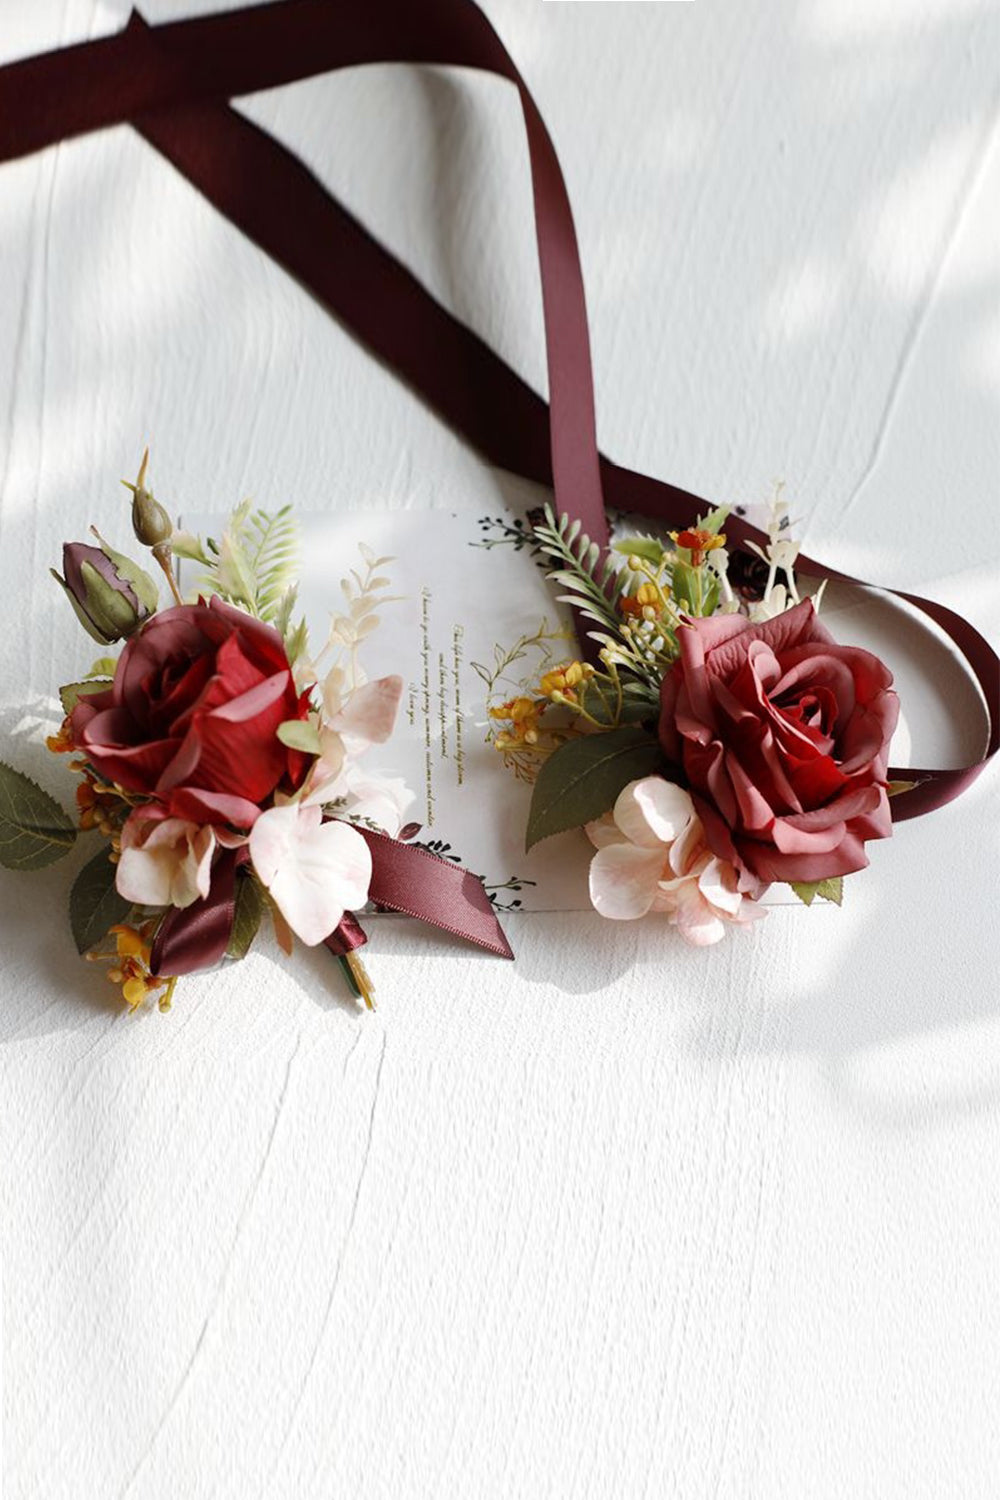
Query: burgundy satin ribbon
[[404, 878], [411, 880], [346, 937], [419, 884], [171, 82], [197, 936]]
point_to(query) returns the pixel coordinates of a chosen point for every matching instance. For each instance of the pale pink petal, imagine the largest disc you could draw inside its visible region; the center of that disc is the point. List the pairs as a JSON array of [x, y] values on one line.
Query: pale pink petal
[[652, 812], [717, 884], [194, 875], [315, 871], [688, 847], [695, 919], [369, 714], [378, 800], [603, 831], [624, 880], [326, 779]]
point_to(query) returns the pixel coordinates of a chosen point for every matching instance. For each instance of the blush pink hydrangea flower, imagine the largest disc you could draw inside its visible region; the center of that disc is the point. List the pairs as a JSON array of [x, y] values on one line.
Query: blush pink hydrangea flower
[[652, 856]]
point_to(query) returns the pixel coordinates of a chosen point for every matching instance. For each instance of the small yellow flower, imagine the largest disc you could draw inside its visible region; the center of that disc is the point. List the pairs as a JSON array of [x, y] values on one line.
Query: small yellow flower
[[129, 943], [131, 971], [523, 715], [134, 991], [558, 683], [646, 603]]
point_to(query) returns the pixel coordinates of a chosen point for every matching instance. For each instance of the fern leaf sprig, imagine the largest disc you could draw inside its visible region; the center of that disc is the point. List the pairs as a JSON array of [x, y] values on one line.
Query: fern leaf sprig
[[579, 569], [255, 562]]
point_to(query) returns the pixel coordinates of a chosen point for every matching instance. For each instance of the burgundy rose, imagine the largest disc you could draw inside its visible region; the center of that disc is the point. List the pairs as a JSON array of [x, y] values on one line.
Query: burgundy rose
[[783, 737], [192, 715]]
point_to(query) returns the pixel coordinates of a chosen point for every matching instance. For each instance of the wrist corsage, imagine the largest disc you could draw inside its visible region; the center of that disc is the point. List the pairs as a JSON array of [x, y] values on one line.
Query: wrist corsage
[[716, 742], [223, 765]]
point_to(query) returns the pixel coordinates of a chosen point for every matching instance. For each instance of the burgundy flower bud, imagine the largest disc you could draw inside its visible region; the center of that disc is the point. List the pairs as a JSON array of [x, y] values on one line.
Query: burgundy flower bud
[[111, 595]]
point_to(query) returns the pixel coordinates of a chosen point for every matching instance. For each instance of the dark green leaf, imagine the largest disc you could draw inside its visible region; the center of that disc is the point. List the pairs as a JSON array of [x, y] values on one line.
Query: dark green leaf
[[831, 889], [582, 779], [34, 830], [249, 910], [71, 694], [94, 903], [634, 710]]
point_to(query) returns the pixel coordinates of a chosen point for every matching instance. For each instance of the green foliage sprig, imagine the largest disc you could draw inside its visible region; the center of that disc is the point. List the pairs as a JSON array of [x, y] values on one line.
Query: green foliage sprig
[[592, 586], [254, 563]]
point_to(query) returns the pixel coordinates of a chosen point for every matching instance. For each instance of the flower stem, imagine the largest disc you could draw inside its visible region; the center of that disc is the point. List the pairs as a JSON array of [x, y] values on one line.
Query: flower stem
[[163, 556]]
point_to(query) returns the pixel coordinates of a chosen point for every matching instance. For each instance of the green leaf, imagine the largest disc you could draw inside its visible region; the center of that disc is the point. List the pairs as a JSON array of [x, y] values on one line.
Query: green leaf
[[715, 520], [299, 734], [34, 830], [897, 788], [185, 544], [686, 587], [296, 641], [249, 911], [646, 547], [582, 779], [634, 710], [831, 889], [104, 666], [94, 903], [72, 692]]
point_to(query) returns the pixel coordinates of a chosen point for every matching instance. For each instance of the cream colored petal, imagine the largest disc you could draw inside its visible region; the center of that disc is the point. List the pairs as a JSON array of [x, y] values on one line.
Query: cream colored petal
[[315, 871]]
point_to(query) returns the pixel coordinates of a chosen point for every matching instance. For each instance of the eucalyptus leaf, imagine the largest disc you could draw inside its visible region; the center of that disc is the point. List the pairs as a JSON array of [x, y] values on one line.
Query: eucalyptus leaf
[[72, 692], [34, 830], [581, 780], [646, 547], [94, 903], [247, 919], [831, 889], [299, 734]]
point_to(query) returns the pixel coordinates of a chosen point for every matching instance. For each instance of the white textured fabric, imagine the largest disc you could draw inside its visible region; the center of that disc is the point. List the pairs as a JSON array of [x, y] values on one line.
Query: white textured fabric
[[628, 1218]]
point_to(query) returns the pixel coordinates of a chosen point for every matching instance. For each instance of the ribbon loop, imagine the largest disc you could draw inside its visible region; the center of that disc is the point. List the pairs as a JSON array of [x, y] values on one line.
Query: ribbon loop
[[173, 82]]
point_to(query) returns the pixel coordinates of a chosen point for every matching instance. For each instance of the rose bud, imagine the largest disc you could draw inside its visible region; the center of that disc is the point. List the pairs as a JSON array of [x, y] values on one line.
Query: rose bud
[[150, 521], [111, 595]]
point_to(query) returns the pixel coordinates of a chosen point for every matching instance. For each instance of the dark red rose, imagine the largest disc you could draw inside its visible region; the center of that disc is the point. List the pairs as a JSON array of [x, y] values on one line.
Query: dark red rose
[[192, 715], [783, 737]]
